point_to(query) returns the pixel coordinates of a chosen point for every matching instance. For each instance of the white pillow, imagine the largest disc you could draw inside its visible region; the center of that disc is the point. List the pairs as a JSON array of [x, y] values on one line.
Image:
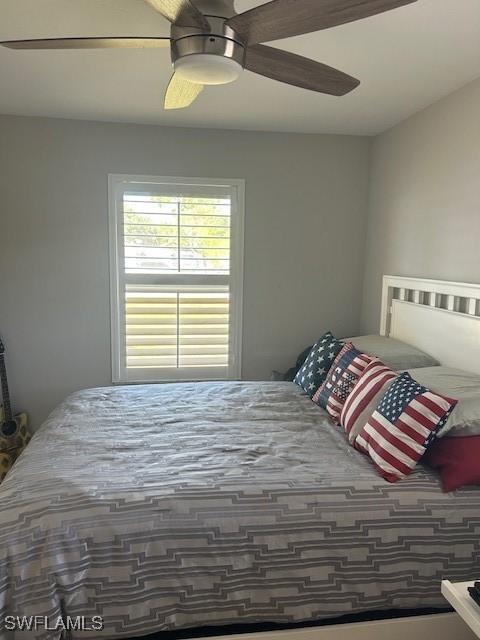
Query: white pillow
[[393, 353], [465, 387]]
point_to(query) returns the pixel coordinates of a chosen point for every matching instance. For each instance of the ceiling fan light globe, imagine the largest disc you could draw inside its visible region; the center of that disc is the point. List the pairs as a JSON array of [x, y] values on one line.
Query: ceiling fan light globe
[[208, 69]]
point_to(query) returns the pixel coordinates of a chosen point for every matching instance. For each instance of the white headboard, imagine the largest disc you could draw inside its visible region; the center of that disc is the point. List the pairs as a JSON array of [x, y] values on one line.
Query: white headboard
[[439, 317]]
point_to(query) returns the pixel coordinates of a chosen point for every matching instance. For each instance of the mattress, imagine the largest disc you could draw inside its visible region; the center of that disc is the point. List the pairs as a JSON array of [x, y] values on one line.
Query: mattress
[[162, 507]]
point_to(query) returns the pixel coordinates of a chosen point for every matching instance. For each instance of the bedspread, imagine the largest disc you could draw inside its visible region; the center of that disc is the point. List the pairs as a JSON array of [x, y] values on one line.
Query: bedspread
[[159, 507]]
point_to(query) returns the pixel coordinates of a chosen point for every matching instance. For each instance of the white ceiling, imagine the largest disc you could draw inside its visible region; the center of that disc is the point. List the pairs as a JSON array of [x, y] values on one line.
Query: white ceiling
[[406, 59]]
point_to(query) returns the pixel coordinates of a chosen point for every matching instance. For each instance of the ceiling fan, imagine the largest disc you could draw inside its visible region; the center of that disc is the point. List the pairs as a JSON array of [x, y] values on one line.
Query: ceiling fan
[[211, 44]]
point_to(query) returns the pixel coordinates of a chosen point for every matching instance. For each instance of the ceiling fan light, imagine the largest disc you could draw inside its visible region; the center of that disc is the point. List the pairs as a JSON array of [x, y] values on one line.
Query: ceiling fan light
[[208, 69]]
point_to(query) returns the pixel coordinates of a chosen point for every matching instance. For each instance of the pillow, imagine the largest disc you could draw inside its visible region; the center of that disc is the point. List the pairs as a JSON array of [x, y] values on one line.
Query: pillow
[[457, 460], [465, 418], [345, 372], [403, 426], [366, 395], [393, 353], [317, 365], [292, 372]]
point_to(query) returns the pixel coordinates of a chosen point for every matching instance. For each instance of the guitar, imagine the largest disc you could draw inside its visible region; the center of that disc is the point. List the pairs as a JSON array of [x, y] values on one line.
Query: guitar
[[14, 434]]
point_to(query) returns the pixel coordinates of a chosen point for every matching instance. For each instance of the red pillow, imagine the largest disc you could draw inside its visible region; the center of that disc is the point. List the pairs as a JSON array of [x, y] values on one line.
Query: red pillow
[[457, 459]]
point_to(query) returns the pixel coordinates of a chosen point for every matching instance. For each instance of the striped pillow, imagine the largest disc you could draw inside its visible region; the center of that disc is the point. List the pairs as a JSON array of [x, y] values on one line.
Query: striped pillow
[[403, 426], [342, 377], [363, 400]]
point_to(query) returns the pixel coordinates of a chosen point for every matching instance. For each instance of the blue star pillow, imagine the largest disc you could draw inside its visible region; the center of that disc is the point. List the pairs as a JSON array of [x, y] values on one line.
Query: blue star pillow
[[314, 370]]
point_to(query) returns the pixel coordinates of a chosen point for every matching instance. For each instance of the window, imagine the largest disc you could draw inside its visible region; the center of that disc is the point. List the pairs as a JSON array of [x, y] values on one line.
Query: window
[[176, 247]]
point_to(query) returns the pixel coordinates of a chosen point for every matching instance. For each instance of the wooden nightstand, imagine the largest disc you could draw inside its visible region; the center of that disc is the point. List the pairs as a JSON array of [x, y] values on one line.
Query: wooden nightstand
[[457, 595]]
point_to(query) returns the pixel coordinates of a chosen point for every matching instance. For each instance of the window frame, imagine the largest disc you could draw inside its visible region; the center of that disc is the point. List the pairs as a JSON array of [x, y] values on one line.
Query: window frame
[[117, 185]]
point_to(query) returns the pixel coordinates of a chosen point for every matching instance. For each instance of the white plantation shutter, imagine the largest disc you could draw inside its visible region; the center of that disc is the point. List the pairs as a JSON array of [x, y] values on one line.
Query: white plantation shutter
[[165, 234], [177, 327], [176, 278]]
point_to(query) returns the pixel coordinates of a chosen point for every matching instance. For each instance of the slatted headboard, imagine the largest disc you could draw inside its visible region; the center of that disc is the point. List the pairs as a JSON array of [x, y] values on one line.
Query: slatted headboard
[[439, 317]]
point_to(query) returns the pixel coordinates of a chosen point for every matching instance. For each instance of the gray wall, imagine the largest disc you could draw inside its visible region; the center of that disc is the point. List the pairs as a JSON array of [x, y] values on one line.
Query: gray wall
[[306, 201], [424, 209]]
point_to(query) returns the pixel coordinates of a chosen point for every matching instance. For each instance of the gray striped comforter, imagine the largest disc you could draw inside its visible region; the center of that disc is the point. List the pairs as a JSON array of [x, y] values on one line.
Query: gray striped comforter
[[182, 505]]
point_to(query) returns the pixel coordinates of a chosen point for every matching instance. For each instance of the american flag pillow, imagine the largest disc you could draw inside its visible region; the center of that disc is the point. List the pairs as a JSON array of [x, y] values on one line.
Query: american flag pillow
[[402, 427], [345, 372], [366, 394], [315, 368]]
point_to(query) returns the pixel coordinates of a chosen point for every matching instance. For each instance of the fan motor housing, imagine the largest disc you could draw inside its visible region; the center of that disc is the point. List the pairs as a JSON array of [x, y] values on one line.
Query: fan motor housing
[[221, 41]]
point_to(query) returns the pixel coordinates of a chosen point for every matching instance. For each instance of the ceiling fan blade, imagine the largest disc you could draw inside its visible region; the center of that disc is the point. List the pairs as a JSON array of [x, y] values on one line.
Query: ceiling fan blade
[[298, 71], [286, 18], [181, 13], [181, 93], [88, 43]]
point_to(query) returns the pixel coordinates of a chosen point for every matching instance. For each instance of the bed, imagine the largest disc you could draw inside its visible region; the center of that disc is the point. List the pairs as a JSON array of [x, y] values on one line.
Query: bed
[[187, 505]]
